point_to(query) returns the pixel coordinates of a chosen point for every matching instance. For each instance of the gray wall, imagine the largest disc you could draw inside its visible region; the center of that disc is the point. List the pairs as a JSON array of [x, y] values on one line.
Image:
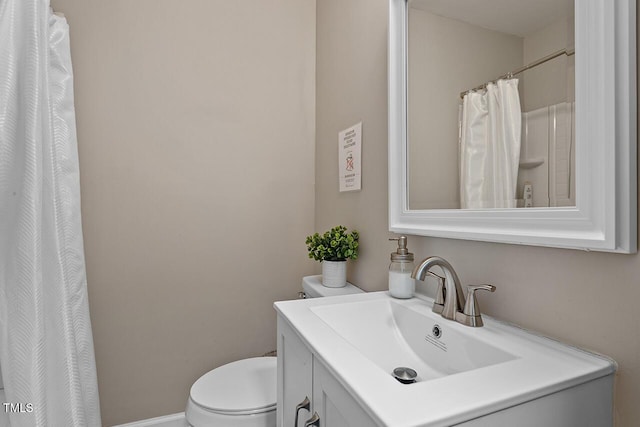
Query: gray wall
[[544, 85], [196, 140], [586, 299], [463, 57]]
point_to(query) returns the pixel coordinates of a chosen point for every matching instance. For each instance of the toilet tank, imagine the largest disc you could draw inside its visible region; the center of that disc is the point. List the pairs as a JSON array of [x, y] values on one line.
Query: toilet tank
[[313, 288]]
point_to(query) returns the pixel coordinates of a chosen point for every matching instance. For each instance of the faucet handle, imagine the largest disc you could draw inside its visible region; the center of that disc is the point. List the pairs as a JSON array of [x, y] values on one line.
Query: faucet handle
[[471, 313], [438, 303]]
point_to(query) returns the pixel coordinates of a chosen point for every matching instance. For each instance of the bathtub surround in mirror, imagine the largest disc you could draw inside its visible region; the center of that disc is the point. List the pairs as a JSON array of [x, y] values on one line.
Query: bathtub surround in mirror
[[580, 180], [489, 149]]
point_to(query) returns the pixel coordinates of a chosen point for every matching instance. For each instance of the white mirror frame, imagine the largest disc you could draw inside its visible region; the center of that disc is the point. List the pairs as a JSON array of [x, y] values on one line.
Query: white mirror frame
[[604, 218]]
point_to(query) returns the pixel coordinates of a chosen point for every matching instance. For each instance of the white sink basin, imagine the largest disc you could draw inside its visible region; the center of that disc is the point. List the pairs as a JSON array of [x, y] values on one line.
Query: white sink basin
[[394, 335], [465, 374]]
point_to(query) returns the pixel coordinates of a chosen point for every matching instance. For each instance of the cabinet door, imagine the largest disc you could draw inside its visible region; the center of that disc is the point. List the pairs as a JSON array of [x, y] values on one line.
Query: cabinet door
[[295, 365], [334, 405]]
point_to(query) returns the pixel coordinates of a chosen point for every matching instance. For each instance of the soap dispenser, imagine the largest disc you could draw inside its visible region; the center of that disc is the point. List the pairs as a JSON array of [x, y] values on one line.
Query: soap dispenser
[[401, 284]]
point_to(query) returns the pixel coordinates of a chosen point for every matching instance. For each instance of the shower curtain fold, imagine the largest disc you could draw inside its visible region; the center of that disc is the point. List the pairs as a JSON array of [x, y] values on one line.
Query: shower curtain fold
[[490, 146], [46, 345]]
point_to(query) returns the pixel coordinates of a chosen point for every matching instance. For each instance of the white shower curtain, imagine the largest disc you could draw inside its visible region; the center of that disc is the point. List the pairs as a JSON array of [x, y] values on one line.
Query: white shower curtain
[[490, 146], [46, 345]]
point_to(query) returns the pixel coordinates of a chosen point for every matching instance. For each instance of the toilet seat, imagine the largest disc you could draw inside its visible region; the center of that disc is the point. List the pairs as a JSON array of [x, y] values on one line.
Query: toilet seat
[[242, 389]]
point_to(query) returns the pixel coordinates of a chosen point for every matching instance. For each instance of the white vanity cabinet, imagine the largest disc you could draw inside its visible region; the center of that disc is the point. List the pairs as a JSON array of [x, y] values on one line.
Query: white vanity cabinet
[[300, 377], [333, 404], [295, 376]]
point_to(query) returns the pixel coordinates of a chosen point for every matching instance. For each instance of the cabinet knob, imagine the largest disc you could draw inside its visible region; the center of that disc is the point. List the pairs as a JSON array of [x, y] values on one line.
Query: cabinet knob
[[313, 421], [305, 404]]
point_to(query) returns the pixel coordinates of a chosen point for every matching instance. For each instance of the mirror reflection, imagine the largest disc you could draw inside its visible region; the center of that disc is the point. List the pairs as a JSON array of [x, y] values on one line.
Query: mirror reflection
[[490, 104]]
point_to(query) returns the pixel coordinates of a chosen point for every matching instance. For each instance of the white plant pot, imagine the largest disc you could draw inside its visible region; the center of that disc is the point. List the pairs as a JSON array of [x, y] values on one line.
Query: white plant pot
[[334, 274]]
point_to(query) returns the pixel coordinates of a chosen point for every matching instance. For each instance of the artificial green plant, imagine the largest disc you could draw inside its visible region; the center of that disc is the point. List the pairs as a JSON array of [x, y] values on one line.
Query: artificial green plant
[[334, 245]]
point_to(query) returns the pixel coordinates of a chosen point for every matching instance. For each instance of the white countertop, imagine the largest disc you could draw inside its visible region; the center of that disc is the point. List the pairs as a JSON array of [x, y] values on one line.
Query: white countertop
[[540, 366]]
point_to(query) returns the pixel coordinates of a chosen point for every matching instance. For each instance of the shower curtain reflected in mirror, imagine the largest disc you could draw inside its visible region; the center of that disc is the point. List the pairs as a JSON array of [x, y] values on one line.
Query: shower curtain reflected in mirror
[[46, 344], [490, 133]]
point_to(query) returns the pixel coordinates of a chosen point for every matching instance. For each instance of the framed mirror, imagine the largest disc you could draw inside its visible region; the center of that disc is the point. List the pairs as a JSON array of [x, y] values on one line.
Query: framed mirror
[[514, 121]]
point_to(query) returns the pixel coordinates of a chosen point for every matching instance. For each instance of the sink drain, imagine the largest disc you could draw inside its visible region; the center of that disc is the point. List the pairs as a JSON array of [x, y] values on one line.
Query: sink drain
[[405, 375]]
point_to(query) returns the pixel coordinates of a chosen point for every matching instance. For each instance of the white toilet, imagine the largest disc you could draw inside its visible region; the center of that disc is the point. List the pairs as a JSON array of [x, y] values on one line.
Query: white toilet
[[243, 393]]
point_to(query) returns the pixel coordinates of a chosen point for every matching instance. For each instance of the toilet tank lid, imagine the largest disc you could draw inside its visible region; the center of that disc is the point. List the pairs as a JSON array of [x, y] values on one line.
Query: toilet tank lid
[[242, 387], [313, 287]]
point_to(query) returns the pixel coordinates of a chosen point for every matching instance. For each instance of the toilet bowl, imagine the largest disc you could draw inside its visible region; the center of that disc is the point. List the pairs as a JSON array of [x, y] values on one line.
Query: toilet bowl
[[240, 393], [243, 393]]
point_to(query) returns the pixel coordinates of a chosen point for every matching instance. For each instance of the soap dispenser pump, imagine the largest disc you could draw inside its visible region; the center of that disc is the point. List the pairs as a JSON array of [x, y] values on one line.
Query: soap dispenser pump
[[401, 284]]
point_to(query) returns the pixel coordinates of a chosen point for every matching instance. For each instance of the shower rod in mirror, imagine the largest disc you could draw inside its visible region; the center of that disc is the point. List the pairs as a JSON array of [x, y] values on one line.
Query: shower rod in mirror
[[568, 52]]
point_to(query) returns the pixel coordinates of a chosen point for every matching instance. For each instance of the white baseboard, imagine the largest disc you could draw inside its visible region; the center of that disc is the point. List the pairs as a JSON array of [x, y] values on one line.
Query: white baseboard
[[173, 420]]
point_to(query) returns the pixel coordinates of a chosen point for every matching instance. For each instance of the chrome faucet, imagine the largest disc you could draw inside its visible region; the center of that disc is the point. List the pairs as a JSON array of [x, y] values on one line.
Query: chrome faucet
[[450, 300]]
